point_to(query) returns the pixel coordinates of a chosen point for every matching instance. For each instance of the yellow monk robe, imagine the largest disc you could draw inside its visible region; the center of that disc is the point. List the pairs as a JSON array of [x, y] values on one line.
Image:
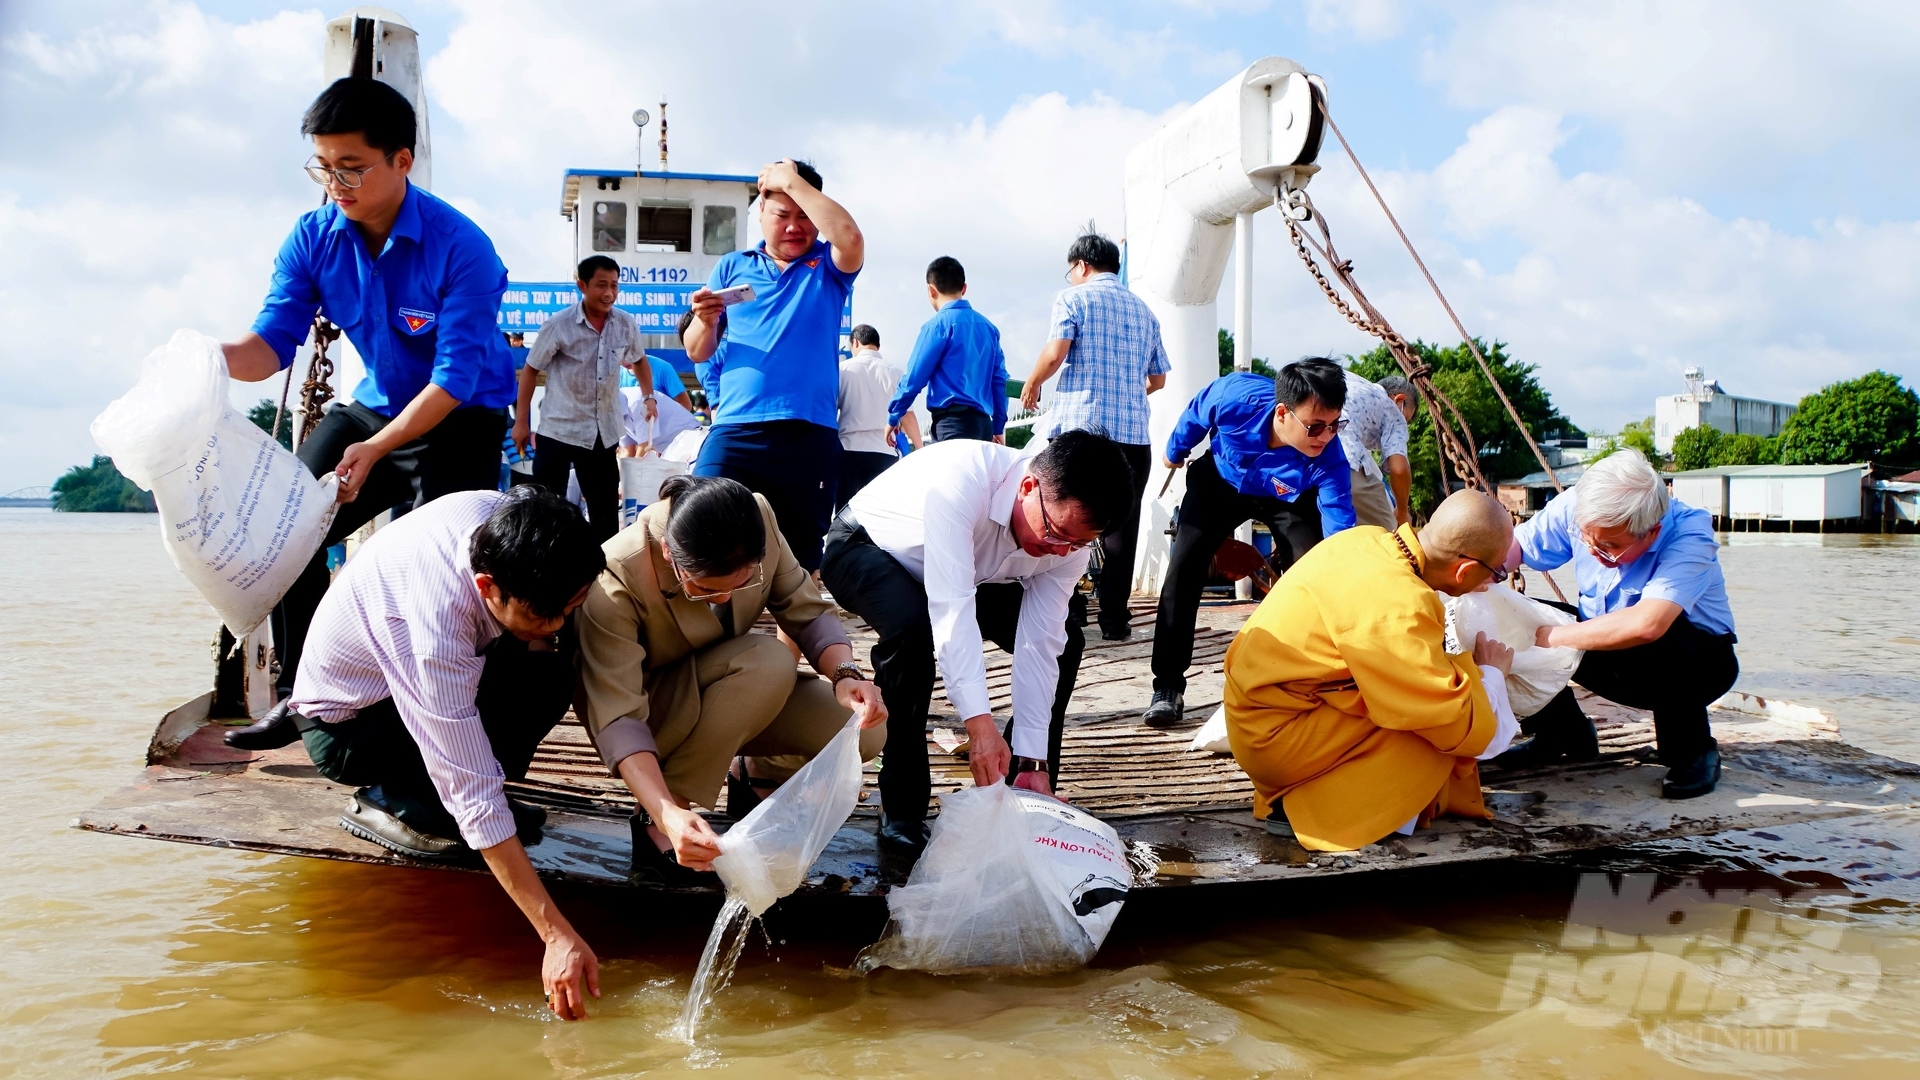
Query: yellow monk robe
[[1342, 699]]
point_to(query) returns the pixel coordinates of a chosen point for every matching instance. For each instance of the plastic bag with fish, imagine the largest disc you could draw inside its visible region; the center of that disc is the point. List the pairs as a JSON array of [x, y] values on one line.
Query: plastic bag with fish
[[768, 853], [1538, 674]]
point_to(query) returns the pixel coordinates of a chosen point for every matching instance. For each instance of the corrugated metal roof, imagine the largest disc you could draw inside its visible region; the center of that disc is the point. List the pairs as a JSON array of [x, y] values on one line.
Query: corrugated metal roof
[[1778, 472], [1717, 470]]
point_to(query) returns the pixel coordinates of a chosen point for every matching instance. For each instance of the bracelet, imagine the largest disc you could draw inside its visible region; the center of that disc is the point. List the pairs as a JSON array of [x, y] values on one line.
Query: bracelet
[[848, 670]]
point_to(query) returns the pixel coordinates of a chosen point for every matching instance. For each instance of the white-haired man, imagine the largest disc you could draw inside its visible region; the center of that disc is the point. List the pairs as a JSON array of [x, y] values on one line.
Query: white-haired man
[[1653, 614]]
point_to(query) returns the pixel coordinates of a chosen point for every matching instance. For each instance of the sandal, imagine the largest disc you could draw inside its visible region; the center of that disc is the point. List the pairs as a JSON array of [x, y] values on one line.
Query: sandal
[[651, 866], [744, 792]]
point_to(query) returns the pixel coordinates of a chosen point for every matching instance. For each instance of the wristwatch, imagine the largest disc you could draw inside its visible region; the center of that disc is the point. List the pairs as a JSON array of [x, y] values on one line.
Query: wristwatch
[[848, 670], [1026, 764]]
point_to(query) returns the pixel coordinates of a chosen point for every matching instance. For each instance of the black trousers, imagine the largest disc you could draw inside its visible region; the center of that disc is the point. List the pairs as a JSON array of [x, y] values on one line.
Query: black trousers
[[1676, 678], [857, 470], [599, 470], [523, 693], [794, 464], [961, 422], [1209, 513], [461, 453], [1117, 547], [872, 584]]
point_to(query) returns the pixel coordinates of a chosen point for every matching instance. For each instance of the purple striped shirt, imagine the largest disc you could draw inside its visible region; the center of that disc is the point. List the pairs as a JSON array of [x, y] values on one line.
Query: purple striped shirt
[[405, 621]]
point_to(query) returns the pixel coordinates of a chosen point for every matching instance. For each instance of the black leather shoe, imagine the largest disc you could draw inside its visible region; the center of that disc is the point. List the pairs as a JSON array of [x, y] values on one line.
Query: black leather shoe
[[745, 792], [1525, 752], [1167, 709], [1694, 779], [651, 866], [528, 820], [908, 838], [1117, 633], [270, 732]]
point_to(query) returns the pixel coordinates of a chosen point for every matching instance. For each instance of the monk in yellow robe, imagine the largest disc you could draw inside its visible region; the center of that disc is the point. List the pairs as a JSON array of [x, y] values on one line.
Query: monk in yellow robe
[[1343, 704]]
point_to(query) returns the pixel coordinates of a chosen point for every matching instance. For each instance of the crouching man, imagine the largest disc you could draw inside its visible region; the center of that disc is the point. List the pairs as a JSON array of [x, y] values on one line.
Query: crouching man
[[438, 660], [1343, 705], [964, 541], [1654, 617]]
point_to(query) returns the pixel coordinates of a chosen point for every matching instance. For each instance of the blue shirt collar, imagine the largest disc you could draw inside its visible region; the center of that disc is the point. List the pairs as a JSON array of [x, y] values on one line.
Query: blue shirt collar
[[819, 249], [405, 224], [953, 305]]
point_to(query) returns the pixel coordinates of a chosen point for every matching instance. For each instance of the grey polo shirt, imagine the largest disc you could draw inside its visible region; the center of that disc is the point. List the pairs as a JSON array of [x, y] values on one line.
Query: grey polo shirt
[[582, 403]]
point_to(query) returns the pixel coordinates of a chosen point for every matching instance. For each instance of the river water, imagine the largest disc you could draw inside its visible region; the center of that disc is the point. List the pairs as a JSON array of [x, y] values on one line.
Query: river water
[[1797, 953]]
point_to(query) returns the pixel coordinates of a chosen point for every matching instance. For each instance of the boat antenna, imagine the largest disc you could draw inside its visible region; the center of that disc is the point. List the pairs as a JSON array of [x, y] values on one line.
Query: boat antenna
[[663, 136]]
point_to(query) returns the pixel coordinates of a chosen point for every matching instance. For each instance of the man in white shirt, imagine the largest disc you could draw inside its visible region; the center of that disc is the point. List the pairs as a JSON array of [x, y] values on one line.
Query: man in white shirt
[[964, 541], [1377, 415], [867, 384], [437, 661]]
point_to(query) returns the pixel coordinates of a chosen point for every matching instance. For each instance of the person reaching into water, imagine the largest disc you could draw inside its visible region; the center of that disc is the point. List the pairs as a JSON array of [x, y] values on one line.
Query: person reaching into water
[[416, 287], [1343, 705], [1654, 618], [435, 665], [681, 697]]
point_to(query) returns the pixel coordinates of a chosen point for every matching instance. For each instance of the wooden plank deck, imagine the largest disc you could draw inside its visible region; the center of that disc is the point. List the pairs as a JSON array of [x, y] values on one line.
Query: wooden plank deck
[[1185, 816]]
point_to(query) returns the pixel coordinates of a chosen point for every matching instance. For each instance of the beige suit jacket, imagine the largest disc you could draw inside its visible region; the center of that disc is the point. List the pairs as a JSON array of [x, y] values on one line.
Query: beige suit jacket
[[638, 636]]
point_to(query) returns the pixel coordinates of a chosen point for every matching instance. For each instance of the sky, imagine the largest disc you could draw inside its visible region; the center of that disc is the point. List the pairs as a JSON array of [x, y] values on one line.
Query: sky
[[1617, 190]]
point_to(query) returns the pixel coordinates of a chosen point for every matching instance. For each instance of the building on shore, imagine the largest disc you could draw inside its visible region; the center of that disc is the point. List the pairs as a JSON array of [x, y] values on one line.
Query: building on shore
[[1706, 404], [1796, 494]]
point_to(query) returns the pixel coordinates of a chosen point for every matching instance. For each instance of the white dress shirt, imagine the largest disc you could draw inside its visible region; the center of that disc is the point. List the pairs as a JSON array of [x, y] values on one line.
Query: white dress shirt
[[405, 621], [943, 512], [867, 383], [1374, 422]]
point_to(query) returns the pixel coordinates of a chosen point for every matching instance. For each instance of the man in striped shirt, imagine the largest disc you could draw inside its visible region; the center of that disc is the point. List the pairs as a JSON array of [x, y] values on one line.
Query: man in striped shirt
[[437, 661]]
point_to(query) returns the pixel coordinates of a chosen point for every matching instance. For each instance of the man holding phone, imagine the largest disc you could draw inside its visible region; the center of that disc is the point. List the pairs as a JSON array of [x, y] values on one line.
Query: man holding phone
[[767, 326]]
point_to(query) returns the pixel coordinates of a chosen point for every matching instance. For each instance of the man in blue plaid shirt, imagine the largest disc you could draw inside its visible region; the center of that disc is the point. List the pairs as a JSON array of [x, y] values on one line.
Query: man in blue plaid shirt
[[1105, 343]]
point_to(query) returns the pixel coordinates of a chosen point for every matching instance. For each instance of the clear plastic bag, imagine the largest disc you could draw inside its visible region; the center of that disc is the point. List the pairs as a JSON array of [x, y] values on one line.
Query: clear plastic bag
[[1011, 882], [767, 854], [1538, 674], [239, 514]]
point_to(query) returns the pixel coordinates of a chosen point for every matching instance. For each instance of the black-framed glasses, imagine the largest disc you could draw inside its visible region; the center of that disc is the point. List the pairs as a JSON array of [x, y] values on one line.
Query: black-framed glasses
[[1052, 536], [346, 178], [1499, 574], [759, 577]]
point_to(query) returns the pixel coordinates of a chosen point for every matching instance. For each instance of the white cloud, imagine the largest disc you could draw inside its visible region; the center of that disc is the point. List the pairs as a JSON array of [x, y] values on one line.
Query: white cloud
[[1365, 20]]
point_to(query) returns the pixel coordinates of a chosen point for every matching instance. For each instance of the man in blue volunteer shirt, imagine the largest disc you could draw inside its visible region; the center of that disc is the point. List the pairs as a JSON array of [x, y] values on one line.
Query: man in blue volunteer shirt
[[957, 360], [1272, 443], [773, 362], [1654, 618], [416, 287]]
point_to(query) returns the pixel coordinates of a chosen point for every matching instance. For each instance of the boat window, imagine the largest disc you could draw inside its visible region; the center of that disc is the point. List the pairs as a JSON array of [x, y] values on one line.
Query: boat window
[[717, 230], [663, 225], [609, 226]]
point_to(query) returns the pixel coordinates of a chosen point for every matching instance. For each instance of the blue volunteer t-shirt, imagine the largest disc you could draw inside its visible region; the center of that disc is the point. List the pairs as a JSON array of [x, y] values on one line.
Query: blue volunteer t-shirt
[[779, 358], [1682, 566], [425, 311], [958, 361], [1234, 411]]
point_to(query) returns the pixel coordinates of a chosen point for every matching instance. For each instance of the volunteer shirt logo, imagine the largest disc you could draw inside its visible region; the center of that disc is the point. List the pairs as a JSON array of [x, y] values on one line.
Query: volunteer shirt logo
[[416, 320], [812, 263], [1279, 488]]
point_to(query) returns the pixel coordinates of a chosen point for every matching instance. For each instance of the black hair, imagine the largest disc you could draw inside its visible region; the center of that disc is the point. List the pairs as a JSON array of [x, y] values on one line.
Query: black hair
[[538, 549], [866, 335], [1081, 467], [377, 112], [947, 276], [1313, 377], [808, 173], [593, 264], [714, 525], [1096, 251], [686, 320]]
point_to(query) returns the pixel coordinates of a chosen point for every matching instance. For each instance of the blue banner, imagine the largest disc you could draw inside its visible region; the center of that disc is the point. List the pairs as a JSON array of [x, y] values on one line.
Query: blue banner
[[656, 308]]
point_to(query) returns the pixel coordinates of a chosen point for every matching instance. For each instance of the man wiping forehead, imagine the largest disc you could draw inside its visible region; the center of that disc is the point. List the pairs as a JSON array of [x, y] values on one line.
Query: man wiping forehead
[[1343, 705]]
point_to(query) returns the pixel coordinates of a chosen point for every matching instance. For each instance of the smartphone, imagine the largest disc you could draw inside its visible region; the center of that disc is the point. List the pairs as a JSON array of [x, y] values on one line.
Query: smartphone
[[736, 294]]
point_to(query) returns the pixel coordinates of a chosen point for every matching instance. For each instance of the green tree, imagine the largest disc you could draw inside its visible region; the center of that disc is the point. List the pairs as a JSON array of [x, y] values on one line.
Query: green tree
[[1745, 450], [1260, 365], [1503, 452], [262, 415], [1698, 447], [99, 489], [1871, 418]]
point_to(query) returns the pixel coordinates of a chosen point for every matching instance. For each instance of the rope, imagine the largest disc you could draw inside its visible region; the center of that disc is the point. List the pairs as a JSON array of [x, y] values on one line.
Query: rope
[[1485, 368]]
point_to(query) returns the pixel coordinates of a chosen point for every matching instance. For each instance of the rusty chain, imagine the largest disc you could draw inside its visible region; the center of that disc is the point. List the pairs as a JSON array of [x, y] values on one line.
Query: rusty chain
[[318, 389]]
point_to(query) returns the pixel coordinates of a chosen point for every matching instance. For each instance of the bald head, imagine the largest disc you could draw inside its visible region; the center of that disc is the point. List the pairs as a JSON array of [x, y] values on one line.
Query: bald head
[[1468, 524]]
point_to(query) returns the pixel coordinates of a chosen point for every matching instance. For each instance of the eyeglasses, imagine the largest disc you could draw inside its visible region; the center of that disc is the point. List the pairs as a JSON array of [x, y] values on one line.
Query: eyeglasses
[[1068, 276], [759, 576], [1314, 429], [1051, 536], [1610, 556], [1499, 574], [346, 178]]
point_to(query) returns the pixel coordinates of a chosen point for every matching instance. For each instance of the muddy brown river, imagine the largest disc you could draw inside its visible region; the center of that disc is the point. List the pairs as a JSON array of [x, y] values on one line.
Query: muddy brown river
[[1790, 952]]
